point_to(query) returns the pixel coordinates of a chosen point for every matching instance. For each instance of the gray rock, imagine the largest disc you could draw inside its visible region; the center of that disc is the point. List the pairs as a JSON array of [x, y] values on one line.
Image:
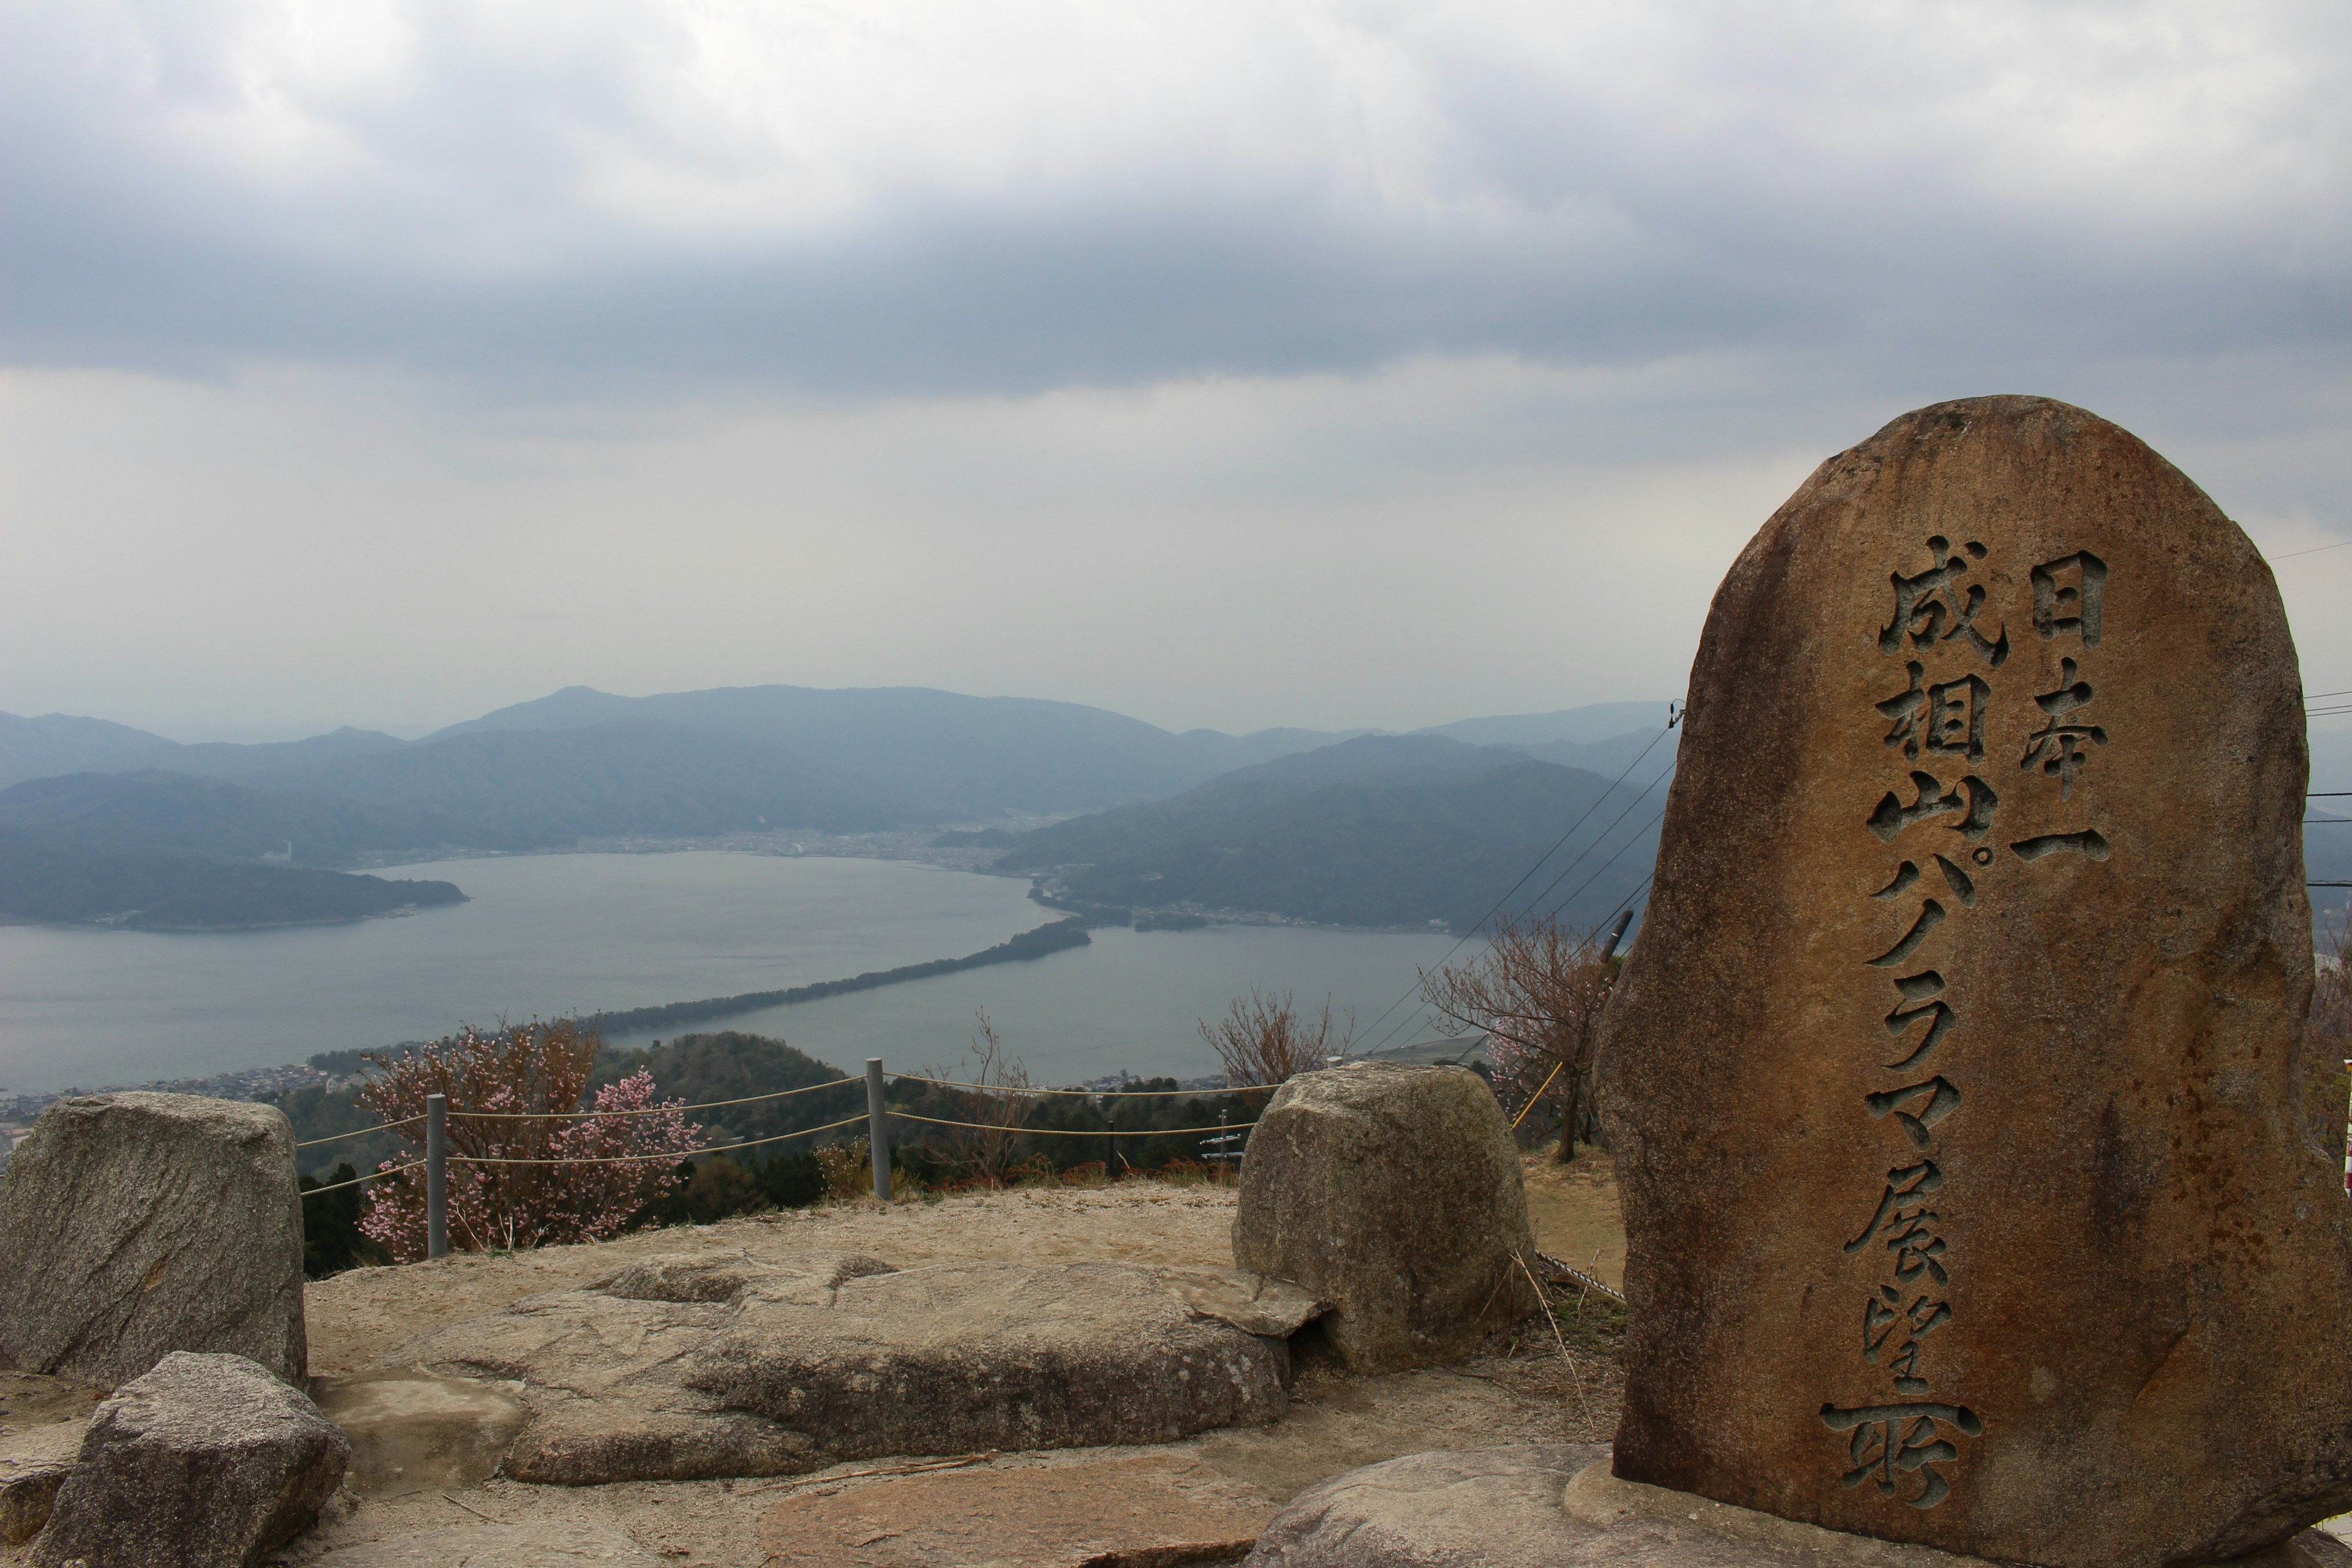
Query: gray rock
[[45, 1418], [1507, 1508], [1393, 1194], [135, 1225], [411, 1429], [694, 1366], [497, 1546], [1250, 1302], [205, 1462], [28, 1493], [1475, 1507]]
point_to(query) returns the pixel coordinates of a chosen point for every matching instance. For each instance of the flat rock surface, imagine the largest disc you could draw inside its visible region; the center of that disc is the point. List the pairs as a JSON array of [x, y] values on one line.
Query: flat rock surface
[[1975, 1190], [705, 1364], [1336, 1420], [497, 1546], [1475, 1507], [1155, 1509], [409, 1428], [1554, 1506]]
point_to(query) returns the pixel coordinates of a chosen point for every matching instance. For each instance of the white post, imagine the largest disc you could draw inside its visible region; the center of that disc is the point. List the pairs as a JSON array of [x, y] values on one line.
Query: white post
[[436, 1175], [877, 1136]]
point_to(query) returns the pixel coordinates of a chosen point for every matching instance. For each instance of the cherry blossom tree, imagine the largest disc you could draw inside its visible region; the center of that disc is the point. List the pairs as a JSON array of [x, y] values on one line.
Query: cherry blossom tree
[[593, 1174]]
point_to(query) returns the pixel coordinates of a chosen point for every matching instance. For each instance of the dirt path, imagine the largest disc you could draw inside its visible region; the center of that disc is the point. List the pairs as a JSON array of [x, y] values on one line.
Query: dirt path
[[1523, 1391]]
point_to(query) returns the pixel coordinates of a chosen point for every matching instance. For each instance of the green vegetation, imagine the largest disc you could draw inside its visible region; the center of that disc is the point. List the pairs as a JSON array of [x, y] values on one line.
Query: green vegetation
[[1029, 944], [331, 1241], [1379, 831], [43, 880]]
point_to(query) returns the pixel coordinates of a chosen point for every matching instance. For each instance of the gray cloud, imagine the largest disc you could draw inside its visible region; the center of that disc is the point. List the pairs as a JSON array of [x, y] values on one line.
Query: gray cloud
[[629, 192]]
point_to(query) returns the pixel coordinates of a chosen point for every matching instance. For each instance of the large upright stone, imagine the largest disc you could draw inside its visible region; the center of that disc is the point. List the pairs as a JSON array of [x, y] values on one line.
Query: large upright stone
[[1393, 1194], [135, 1225], [1953, 1082]]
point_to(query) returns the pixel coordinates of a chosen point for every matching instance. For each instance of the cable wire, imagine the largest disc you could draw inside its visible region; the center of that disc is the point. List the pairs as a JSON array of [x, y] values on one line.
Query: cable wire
[[1091, 1093], [338, 1137], [1074, 1131], [355, 1181], [648, 1111], [1531, 871], [640, 1159]]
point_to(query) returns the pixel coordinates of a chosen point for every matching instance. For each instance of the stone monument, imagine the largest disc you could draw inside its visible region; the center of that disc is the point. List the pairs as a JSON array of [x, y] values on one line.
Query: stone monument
[[1954, 1083]]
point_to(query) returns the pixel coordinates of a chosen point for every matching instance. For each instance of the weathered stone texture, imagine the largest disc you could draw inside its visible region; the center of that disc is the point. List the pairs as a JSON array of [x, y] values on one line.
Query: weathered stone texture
[[540, 1545], [1956, 1069], [411, 1429], [1472, 1508], [135, 1225], [702, 1365], [1393, 1194], [207, 1461], [1131, 1512]]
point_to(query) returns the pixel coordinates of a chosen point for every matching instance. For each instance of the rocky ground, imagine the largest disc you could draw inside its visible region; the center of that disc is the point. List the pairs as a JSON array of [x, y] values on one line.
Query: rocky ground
[[1520, 1389]]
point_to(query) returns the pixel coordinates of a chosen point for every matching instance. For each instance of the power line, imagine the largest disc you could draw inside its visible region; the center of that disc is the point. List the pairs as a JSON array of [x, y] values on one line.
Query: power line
[[1531, 871], [1597, 870], [2312, 550], [1597, 840]]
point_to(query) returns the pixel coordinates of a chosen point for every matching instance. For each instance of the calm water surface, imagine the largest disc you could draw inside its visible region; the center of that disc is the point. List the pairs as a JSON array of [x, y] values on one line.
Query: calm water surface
[[549, 934]]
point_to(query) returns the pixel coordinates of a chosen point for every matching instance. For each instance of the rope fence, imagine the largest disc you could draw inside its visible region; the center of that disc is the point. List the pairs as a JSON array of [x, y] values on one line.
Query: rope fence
[[438, 1157], [677, 1155], [648, 1111], [1068, 1131]]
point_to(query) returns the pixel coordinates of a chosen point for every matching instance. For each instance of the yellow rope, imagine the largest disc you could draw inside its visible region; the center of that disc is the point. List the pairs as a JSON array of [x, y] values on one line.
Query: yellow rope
[[1539, 1094], [355, 1181]]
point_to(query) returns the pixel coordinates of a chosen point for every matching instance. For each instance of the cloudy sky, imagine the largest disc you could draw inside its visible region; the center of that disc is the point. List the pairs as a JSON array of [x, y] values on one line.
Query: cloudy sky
[[1250, 363]]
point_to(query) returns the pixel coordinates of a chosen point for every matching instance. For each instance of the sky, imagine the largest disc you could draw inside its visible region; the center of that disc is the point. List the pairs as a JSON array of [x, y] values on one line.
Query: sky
[[1229, 365]]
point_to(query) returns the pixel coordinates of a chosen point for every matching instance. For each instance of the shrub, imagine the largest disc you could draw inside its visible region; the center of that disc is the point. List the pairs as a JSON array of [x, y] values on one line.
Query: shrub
[[1265, 1039], [849, 1170], [503, 1077]]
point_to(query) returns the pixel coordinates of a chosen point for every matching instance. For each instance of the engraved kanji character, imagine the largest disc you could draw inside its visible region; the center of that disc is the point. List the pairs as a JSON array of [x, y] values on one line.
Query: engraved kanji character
[[1948, 717], [1929, 608], [1892, 816], [1906, 1436], [1906, 1186], [2062, 609], [1912, 1239], [1883, 1311], [2059, 747]]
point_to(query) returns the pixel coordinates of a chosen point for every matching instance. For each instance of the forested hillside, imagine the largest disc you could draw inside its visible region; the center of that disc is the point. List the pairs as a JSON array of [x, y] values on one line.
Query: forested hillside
[[1390, 831]]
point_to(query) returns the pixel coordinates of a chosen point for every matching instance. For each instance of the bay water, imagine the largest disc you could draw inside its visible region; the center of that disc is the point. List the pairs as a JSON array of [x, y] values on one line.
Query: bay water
[[549, 934]]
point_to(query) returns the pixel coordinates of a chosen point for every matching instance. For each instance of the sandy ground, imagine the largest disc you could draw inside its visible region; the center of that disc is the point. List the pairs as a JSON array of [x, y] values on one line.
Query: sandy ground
[[1521, 1390], [1574, 1210]]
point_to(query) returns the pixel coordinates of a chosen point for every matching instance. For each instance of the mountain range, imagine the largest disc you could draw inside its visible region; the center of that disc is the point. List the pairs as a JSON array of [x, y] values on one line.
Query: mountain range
[[581, 763]]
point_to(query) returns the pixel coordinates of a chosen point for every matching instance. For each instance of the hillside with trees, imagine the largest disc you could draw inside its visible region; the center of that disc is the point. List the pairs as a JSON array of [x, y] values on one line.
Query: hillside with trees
[[46, 881], [1378, 831]]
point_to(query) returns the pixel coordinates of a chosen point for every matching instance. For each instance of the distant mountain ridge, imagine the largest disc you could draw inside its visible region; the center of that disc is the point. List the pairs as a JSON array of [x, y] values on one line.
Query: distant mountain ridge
[[947, 754], [1381, 831], [157, 812]]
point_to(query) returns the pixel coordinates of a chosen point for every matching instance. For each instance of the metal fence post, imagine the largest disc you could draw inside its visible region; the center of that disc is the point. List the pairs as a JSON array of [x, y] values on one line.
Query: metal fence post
[[877, 1135], [436, 1175]]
